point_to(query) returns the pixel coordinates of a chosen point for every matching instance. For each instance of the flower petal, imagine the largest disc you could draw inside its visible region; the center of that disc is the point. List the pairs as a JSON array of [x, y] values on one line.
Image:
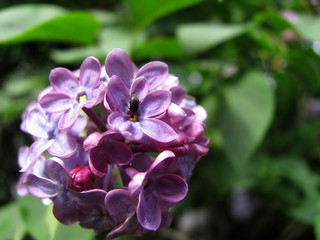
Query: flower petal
[[148, 211], [141, 162], [155, 72], [36, 149], [36, 123], [118, 63], [90, 71], [56, 172], [64, 209], [140, 87], [155, 103], [41, 187], [119, 204], [64, 145], [158, 130], [170, 188], [23, 156], [56, 102], [130, 130], [129, 227], [178, 94], [93, 98], [176, 114], [98, 161], [117, 95], [118, 153], [64, 81], [69, 117], [90, 197]]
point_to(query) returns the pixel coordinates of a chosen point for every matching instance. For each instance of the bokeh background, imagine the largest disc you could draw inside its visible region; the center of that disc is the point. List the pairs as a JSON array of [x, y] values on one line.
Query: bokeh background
[[254, 66]]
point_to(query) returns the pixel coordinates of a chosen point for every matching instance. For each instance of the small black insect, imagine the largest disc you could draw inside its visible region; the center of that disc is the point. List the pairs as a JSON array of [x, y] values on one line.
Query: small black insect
[[133, 107], [134, 103]]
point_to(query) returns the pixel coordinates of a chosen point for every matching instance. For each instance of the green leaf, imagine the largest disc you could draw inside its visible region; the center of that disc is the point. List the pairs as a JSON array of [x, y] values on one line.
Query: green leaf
[[58, 231], [197, 38], [110, 37], [11, 225], [159, 48], [308, 26], [145, 12], [73, 232], [30, 22], [17, 92], [317, 226], [244, 116], [33, 213]]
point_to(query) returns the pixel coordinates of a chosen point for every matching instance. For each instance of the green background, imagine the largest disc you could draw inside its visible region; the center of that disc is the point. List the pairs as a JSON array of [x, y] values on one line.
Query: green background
[[256, 73]]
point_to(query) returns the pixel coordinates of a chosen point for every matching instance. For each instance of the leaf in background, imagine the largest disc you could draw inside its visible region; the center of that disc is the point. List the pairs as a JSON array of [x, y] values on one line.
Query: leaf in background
[[145, 12], [244, 116], [73, 232], [197, 38], [317, 226], [33, 213], [17, 92], [308, 26], [11, 225], [111, 37], [159, 48], [29, 22]]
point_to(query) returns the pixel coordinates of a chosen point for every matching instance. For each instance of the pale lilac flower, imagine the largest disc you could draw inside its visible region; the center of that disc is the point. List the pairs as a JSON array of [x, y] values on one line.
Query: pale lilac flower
[[37, 169], [71, 94], [43, 127]]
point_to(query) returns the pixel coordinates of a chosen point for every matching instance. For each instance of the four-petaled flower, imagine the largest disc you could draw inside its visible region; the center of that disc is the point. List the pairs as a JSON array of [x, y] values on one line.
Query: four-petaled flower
[[71, 94], [136, 112]]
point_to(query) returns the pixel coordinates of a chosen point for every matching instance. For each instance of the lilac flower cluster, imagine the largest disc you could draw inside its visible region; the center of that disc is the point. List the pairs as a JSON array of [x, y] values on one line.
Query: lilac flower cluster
[[114, 145]]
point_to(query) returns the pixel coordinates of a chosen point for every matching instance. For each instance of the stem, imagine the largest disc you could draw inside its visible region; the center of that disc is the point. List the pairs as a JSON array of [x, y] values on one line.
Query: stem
[[94, 117]]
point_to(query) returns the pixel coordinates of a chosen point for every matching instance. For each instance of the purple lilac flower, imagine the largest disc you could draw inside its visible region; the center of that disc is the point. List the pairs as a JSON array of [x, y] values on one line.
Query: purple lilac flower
[[134, 124], [37, 169], [120, 205], [155, 188], [99, 169], [119, 64], [71, 94], [57, 184], [43, 127], [105, 149]]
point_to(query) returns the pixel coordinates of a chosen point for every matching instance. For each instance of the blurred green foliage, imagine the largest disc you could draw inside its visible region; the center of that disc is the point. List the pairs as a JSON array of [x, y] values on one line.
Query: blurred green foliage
[[254, 66]]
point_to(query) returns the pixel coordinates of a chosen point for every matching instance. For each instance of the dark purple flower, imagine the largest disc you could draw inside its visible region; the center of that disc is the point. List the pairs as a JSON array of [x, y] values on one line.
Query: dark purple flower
[[104, 149], [120, 206], [135, 111], [93, 214], [71, 94], [56, 184], [155, 188]]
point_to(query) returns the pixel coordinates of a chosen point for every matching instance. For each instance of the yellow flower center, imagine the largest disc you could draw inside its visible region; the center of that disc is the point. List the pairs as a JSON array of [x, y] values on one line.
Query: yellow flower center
[[133, 117], [145, 183], [82, 98]]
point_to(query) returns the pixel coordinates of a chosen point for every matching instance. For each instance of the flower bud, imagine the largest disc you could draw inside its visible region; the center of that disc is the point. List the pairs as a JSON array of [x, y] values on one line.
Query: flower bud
[[82, 177]]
